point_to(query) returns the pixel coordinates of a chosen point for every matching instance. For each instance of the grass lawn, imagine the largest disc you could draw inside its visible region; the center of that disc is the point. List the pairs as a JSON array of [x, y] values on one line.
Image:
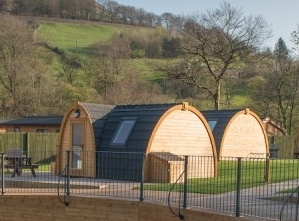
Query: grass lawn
[[74, 37], [252, 174]]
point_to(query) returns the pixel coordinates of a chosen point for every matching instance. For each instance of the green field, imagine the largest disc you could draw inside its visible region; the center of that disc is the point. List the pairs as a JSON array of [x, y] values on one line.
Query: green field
[[77, 38], [252, 175]]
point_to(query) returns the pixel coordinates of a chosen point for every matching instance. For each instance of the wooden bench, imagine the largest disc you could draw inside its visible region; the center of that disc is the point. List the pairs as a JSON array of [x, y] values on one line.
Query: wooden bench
[[16, 160]]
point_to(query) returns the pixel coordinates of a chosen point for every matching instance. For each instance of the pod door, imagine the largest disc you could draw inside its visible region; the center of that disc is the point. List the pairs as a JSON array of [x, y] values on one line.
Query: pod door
[[77, 146], [77, 149]]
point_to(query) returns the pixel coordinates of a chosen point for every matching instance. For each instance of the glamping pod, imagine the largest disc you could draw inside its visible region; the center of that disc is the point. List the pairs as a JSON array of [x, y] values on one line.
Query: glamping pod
[[80, 133], [166, 133], [114, 142], [238, 133]]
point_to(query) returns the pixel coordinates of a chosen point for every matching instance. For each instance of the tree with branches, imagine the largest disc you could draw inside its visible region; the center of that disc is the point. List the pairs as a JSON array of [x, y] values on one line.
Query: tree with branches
[[15, 46], [215, 43], [281, 88]]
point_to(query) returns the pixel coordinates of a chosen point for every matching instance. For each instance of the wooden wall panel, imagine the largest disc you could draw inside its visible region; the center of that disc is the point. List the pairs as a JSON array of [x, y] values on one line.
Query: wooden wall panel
[[182, 133], [49, 208], [244, 138]]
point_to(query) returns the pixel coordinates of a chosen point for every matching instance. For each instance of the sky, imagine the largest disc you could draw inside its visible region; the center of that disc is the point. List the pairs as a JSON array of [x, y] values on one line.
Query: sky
[[281, 15]]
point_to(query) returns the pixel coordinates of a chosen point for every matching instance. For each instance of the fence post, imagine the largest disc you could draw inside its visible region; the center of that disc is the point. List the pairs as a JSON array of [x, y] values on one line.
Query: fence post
[[141, 198], [239, 168], [297, 204], [68, 177], [2, 174], [267, 168], [185, 182], [25, 140]]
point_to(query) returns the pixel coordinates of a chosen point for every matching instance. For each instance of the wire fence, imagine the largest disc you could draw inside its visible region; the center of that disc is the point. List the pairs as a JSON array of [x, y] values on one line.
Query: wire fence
[[257, 187]]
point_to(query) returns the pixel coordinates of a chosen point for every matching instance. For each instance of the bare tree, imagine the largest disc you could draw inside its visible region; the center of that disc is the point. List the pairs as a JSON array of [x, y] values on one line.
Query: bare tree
[[54, 8], [124, 14], [119, 47], [131, 14], [295, 37], [15, 46], [87, 8], [4, 5], [215, 42], [70, 67], [282, 86], [111, 10], [101, 9], [141, 16], [107, 62], [169, 21], [133, 90]]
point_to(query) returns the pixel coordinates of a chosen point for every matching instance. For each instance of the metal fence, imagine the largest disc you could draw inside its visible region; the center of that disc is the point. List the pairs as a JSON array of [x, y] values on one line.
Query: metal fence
[[257, 187]]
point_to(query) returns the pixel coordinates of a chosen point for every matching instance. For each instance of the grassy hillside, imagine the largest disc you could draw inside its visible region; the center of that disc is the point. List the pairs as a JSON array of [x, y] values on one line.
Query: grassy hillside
[[75, 37], [80, 37]]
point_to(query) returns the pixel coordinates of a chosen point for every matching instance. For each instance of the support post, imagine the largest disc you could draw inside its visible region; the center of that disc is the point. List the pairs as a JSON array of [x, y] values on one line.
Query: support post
[[185, 182], [2, 174], [267, 168], [239, 168], [68, 177], [297, 205], [141, 198]]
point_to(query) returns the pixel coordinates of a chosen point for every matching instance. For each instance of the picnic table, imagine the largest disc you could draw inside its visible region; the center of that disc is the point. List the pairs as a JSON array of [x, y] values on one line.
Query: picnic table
[[16, 160]]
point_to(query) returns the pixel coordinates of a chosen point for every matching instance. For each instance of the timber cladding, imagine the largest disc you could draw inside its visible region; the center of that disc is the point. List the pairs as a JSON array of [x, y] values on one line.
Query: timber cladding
[[49, 208]]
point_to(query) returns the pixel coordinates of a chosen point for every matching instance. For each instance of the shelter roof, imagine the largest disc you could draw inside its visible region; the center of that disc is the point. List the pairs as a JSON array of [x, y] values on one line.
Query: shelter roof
[[275, 127], [144, 118], [35, 120], [97, 111]]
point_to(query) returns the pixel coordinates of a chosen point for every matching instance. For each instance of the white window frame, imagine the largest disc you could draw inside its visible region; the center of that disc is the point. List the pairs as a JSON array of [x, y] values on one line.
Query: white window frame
[[213, 123], [123, 131]]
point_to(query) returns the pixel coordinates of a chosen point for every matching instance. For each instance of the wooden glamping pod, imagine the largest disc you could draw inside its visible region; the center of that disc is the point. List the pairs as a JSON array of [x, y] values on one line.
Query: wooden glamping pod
[[79, 132], [124, 136], [166, 133], [238, 133]]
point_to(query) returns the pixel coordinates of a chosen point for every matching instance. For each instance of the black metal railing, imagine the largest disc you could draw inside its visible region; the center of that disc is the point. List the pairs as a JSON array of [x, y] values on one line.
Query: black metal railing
[[65, 176], [290, 200], [255, 187], [184, 173]]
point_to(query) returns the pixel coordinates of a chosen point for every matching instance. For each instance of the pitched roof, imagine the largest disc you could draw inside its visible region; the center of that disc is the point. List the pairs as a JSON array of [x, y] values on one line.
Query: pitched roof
[[98, 114], [35, 120], [96, 111], [146, 117], [4, 120]]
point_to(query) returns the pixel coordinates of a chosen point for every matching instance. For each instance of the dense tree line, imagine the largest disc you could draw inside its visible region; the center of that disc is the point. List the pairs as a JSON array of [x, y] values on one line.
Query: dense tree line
[[99, 10]]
